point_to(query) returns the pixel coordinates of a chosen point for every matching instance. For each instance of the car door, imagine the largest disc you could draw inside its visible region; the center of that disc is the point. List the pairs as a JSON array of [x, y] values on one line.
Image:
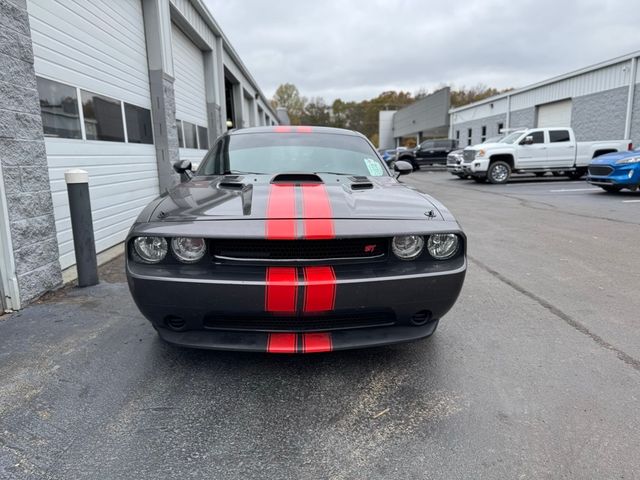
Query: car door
[[441, 149], [534, 154], [561, 151], [424, 152]]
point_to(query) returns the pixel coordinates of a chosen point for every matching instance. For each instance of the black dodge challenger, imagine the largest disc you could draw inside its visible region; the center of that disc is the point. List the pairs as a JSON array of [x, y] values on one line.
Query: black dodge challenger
[[294, 240]]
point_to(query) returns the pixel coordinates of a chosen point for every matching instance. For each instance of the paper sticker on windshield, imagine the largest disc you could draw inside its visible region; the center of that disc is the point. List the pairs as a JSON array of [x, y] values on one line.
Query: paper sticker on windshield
[[374, 167]]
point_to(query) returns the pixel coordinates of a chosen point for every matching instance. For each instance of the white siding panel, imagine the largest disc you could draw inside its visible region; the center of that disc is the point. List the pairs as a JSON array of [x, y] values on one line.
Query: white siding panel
[[196, 21], [123, 178], [556, 114], [192, 154], [481, 111], [606, 78], [97, 45], [189, 87]]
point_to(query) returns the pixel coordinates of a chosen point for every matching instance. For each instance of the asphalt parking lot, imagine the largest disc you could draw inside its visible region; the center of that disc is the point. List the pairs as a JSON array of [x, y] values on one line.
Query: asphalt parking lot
[[535, 373]]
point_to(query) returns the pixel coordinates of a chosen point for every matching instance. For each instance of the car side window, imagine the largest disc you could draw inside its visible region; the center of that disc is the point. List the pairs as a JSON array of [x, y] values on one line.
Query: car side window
[[426, 145], [556, 136], [538, 137]]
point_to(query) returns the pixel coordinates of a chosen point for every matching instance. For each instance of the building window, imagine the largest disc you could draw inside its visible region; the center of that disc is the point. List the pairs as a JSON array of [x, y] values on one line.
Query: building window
[[102, 117], [500, 127], [180, 134], [469, 134], [203, 139], [138, 124], [190, 135], [59, 109], [458, 135], [484, 133]]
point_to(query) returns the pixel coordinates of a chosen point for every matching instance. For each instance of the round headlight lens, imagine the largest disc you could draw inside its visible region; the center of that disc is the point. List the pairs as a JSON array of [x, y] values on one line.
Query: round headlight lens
[[407, 247], [187, 249], [150, 249], [442, 246]]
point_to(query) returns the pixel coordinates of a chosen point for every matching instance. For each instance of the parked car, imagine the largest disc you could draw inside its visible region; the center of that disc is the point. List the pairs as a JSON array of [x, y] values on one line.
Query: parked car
[[429, 152], [454, 159], [536, 150], [280, 243], [616, 171], [389, 156]]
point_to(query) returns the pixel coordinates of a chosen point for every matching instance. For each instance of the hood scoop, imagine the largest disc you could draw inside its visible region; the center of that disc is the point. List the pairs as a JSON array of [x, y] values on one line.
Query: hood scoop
[[296, 178], [232, 183], [360, 183]]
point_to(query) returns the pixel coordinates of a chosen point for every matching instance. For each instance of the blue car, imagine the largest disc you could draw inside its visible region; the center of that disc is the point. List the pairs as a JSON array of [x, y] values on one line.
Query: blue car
[[615, 171]]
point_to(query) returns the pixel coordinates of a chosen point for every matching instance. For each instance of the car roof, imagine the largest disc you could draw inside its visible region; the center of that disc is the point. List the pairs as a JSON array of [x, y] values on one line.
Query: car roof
[[295, 129]]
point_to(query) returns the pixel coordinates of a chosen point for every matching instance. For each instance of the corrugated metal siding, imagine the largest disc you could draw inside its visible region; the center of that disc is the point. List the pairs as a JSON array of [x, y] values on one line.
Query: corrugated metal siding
[[98, 45], [190, 94], [195, 20], [481, 111], [607, 78], [123, 178]]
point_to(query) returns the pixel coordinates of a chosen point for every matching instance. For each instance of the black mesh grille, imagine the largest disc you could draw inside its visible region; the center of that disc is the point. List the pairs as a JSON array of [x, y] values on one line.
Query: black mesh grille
[[265, 250], [327, 322], [600, 170]]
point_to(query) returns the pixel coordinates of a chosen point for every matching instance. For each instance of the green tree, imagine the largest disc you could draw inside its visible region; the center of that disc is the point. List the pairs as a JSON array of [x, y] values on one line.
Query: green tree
[[316, 112], [288, 96]]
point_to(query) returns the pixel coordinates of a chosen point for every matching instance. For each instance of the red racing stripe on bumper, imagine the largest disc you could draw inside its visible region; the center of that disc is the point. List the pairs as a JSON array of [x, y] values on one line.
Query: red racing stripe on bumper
[[281, 213], [281, 343], [281, 291], [320, 290], [317, 212], [316, 342]]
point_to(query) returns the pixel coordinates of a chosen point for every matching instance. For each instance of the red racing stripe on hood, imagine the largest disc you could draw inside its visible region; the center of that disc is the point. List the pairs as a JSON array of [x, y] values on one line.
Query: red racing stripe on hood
[[320, 290], [281, 343], [281, 290], [316, 342], [317, 212], [281, 212]]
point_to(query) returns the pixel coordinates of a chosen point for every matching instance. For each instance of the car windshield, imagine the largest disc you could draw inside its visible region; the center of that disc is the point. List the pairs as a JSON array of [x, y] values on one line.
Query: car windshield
[[498, 139], [512, 137], [271, 153]]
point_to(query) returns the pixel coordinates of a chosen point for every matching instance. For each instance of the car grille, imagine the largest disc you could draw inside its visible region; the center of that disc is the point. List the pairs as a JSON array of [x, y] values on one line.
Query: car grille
[[468, 155], [600, 170], [453, 160], [326, 322], [300, 250]]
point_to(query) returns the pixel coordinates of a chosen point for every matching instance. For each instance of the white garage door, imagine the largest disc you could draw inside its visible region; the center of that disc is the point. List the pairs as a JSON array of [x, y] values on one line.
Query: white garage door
[[556, 114], [95, 51], [191, 100]]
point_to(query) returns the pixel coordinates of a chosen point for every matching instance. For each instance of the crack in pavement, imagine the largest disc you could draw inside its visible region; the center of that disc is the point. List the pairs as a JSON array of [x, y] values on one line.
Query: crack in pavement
[[625, 357]]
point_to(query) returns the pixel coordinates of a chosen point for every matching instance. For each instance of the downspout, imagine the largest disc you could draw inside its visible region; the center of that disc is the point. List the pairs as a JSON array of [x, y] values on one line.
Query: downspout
[[508, 121], [630, 98]]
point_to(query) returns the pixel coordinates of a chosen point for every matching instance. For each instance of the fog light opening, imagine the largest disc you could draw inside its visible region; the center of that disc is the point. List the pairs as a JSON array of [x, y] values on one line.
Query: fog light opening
[[174, 322], [421, 318]]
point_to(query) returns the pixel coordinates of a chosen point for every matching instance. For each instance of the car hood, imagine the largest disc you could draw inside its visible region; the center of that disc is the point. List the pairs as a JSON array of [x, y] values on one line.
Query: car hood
[[485, 146], [612, 158], [247, 197]]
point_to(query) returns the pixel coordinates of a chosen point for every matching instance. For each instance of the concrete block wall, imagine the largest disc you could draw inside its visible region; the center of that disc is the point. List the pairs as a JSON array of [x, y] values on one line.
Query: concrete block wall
[[525, 118], [600, 116], [24, 160]]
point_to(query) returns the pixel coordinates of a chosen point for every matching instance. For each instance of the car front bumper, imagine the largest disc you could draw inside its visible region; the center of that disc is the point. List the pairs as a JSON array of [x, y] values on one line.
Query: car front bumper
[[625, 176], [227, 309]]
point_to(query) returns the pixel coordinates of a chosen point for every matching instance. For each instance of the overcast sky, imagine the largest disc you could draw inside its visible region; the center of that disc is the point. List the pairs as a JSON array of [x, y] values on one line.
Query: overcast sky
[[356, 49]]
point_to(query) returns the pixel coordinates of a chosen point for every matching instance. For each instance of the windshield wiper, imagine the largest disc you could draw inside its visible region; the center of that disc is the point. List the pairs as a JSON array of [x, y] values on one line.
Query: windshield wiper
[[239, 172], [335, 173]]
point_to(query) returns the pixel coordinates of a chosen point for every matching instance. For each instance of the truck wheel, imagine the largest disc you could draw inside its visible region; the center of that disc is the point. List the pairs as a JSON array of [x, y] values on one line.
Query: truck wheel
[[577, 174], [499, 173], [611, 188]]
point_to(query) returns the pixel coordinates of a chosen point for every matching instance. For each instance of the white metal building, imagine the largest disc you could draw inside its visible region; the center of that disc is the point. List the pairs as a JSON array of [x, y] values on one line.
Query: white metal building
[[120, 88], [600, 102]]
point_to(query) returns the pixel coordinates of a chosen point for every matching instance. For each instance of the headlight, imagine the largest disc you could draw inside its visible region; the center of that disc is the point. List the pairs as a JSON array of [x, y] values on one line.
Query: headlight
[[187, 249], [628, 160], [480, 153], [442, 246], [407, 247], [150, 249]]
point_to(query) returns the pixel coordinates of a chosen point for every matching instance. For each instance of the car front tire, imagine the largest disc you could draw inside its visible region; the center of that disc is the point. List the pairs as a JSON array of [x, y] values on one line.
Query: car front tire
[[499, 173]]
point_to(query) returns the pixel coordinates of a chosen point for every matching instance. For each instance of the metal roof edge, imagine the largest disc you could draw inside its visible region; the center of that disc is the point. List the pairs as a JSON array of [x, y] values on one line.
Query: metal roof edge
[[549, 81]]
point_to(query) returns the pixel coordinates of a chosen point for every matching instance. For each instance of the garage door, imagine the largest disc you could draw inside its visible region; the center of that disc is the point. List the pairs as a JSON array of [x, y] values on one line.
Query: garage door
[[556, 114], [93, 81], [191, 100]]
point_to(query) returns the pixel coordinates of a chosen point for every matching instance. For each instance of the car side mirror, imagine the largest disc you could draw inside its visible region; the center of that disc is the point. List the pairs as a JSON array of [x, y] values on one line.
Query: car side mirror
[[183, 167], [528, 140], [403, 168]]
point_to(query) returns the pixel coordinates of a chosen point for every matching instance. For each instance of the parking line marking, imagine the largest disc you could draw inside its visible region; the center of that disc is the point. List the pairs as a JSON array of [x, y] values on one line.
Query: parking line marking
[[576, 190], [630, 201]]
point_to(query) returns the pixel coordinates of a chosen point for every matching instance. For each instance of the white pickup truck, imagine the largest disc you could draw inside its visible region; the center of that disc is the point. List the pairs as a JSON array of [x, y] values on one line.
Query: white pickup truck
[[535, 150]]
